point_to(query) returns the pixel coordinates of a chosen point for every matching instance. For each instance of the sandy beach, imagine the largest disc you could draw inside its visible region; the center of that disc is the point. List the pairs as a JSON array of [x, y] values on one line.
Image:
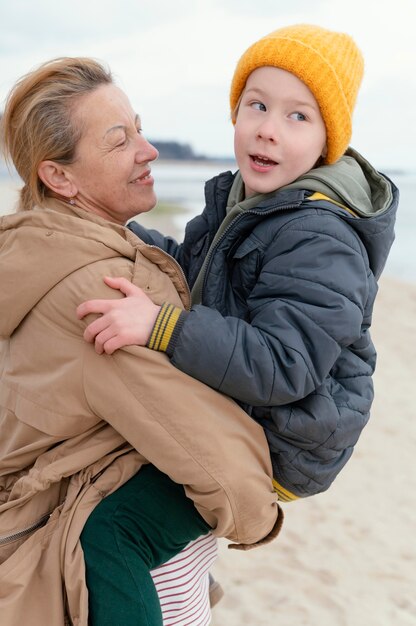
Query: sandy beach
[[346, 557]]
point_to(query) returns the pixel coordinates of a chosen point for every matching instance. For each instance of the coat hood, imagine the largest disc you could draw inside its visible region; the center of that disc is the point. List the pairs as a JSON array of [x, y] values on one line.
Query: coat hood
[[352, 183], [28, 242]]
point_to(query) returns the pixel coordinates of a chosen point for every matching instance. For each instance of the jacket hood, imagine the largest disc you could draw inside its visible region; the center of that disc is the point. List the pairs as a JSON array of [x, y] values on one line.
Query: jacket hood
[[352, 183], [28, 242]]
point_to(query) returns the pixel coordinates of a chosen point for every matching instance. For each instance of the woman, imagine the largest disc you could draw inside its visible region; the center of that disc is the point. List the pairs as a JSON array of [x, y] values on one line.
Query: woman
[[75, 426]]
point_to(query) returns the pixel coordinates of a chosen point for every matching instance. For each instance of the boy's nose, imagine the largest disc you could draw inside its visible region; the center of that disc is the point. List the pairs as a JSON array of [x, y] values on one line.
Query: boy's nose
[[268, 131]]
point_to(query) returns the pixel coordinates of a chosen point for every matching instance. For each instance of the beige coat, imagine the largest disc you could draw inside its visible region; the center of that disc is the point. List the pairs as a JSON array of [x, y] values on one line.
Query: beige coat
[[75, 425]]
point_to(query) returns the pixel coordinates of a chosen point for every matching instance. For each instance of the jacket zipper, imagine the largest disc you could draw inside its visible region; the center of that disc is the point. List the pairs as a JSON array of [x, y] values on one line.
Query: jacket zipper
[[231, 225], [19, 534]]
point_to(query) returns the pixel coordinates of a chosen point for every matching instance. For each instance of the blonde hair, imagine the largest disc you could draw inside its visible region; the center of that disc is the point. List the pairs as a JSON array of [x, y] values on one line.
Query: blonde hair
[[37, 124]]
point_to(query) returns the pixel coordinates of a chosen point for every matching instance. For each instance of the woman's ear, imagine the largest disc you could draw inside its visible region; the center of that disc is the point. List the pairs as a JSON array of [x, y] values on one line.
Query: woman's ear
[[324, 152], [55, 178]]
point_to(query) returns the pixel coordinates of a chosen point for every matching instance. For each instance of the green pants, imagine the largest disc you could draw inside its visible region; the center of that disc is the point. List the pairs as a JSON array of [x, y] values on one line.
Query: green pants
[[140, 526]]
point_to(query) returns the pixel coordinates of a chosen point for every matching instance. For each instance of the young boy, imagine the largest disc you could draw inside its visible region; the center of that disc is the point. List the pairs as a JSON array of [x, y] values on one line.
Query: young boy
[[283, 262]]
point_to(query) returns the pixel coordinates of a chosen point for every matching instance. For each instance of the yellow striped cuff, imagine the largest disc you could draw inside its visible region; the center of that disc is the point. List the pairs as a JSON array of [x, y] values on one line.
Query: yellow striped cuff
[[164, 326], [282, 493]]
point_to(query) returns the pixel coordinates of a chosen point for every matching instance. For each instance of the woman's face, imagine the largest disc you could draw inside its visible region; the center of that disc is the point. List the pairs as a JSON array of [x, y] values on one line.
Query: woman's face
[[111, 173]]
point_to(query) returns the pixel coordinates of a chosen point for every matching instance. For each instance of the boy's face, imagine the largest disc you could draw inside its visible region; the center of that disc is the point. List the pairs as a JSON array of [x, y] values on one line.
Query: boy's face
[[279, 131]]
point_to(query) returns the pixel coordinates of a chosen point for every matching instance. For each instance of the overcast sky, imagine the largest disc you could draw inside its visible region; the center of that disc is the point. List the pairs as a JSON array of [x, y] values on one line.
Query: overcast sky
[[175, 60]]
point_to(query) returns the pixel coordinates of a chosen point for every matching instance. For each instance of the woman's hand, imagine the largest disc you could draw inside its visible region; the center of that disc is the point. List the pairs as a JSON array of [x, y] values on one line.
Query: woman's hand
[[124, 322]]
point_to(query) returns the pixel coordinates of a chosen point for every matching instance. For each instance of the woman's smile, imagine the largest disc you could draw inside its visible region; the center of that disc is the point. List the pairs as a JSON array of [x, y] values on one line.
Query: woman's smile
[[145, 178]]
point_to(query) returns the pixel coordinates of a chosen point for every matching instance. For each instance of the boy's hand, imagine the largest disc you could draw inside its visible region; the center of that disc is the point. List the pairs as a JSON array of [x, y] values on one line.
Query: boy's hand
[[124, 322]]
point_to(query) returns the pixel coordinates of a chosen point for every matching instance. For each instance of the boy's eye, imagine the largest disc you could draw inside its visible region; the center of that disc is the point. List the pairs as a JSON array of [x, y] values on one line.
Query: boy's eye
[[259, 106], [299, 117]]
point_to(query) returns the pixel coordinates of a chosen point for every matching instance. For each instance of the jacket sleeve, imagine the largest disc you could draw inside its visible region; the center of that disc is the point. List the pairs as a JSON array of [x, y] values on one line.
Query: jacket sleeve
[[307, 304], [190, 253], [155, 238]]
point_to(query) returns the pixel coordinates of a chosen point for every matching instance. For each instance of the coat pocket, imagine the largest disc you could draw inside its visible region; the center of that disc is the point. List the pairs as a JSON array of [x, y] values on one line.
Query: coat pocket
[[245, 263]]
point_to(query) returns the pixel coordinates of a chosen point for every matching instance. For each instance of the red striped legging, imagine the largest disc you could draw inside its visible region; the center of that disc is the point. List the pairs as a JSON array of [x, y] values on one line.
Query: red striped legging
[[182, 584]]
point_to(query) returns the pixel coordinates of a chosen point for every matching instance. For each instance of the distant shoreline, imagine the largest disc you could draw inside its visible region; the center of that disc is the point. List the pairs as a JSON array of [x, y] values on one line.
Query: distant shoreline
[[198, 162], [217, 161]]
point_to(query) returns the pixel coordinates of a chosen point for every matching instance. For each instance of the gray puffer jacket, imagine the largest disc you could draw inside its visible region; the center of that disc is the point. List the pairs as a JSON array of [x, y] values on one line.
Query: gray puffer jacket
[[286, 305]]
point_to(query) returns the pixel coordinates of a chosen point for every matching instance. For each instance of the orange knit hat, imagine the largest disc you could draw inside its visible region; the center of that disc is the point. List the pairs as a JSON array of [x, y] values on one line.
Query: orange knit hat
[[329, 63]]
